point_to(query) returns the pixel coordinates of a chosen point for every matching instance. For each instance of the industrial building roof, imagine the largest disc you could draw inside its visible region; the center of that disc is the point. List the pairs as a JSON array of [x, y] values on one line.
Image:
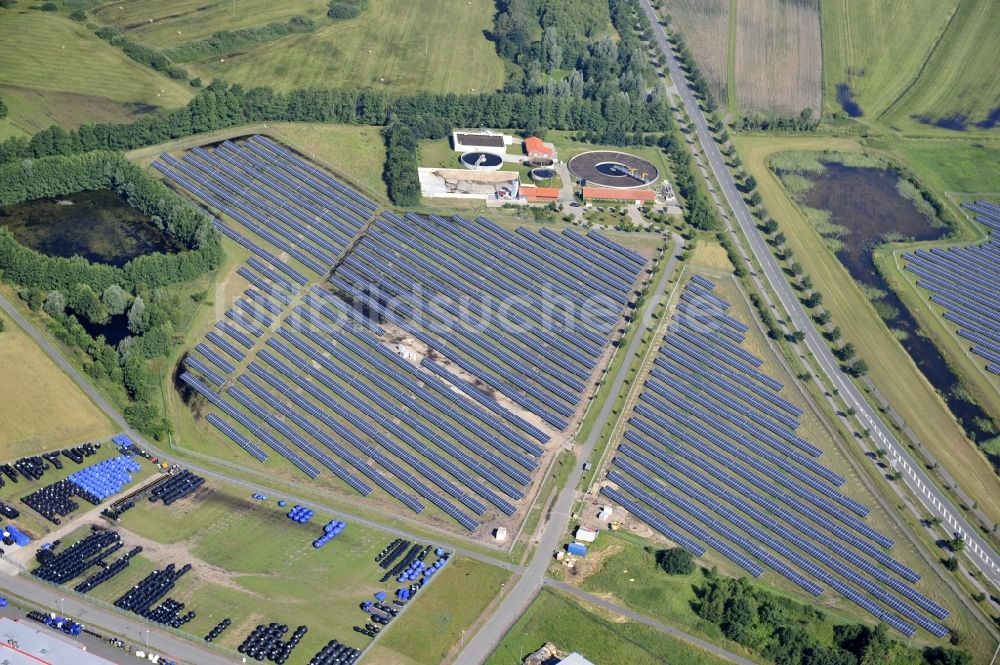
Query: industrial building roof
[[610, 194], [575, 659], [36, 646], [483, 140]]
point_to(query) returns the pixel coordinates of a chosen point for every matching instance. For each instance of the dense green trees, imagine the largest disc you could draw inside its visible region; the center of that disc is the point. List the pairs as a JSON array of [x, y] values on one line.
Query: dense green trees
[[676, 561], [401, 161], [343, 9], [785, 633], [3, 110], [56, 176], [227, 41], [74, 290]]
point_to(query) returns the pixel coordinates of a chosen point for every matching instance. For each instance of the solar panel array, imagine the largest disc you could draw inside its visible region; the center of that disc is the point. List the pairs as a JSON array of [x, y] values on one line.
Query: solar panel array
[[308, 369], [711, 460], [962, 280]]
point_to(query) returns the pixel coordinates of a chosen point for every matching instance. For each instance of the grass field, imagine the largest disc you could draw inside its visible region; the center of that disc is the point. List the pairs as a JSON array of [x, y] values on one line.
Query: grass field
[[950, 166], [53, 70], [957, 87], [388, 46], [610, 640], [40, 407], [460, 595], [779, 56], [165, 24], [357, 152], [252, 564], [877, 49], [890, 367]]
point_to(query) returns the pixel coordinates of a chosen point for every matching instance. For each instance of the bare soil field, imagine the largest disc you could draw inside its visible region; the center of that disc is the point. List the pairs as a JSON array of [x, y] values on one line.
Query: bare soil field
[[704, 24]]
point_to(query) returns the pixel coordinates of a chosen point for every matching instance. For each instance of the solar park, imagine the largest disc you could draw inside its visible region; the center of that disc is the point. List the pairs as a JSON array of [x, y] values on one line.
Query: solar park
[[432, 362], [711, 460], [962, 280]]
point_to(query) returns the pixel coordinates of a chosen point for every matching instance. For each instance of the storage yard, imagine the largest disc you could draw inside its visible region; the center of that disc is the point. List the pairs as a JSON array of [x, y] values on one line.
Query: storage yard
[[236, 570], [391, 339]]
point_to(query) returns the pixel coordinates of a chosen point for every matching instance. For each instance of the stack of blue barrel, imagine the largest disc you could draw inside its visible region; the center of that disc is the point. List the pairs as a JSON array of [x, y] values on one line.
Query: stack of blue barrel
[[15, 535], [330, 531], [300, 514], [106, 478]]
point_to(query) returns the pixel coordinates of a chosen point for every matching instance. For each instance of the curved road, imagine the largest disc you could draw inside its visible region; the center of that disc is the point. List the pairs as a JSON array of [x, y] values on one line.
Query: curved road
[[933, 499], [528, 585]]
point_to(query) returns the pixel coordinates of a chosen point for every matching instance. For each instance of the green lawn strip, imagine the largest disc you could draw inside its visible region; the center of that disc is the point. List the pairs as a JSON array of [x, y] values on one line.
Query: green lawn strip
[[571, 625], [458, 596]]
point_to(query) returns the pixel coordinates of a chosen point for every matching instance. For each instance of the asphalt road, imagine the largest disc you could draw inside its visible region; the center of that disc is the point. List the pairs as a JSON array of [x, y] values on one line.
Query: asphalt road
[[978, 551], [528, 585]]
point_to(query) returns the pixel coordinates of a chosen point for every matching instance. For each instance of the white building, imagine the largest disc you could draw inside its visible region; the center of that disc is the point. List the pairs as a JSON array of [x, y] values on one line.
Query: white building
[[500, 534], [585, 535], [605, 513], [575, 659]]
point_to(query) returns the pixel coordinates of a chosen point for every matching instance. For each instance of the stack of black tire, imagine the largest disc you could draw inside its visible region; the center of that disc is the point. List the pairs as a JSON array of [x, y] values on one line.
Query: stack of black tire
[[32, 468], [77, 454], [219, 628], [114, 512], [63, 566], [10, 472], [176, 487], [265, 643], [168, 613], [53, 458], [54, 501], [153, 587], [108, 572], [335, 653], [415, 553], [8, 511]]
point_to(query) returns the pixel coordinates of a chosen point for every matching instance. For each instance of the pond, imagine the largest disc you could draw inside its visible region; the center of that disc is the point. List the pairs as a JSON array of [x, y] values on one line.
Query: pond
[[98, 225], [866, 203]]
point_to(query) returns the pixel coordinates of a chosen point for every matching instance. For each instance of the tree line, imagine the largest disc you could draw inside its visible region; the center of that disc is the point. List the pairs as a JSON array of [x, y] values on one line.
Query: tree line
[[784, 632], [74, 290]]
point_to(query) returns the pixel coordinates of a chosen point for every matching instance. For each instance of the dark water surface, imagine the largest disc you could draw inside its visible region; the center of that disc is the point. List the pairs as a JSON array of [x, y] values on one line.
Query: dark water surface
[[97, 225], [865, 202]]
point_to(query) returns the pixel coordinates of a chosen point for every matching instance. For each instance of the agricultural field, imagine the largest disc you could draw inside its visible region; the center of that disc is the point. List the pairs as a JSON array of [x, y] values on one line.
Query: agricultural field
[[756, 55], [705, 26], [892, 370], [957, 88], [873, 52], [388, 46], [54, 70], [571, 625], [779, 56], [42, 408], [164, 25], [250, 563]]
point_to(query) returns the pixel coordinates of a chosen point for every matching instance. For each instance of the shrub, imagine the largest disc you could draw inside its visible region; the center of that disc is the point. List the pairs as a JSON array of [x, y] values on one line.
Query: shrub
[[676, 561]]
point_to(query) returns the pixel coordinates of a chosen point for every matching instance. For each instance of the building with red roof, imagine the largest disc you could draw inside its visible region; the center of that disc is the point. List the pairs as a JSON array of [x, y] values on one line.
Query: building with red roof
[[535, 194], [534, 148]]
